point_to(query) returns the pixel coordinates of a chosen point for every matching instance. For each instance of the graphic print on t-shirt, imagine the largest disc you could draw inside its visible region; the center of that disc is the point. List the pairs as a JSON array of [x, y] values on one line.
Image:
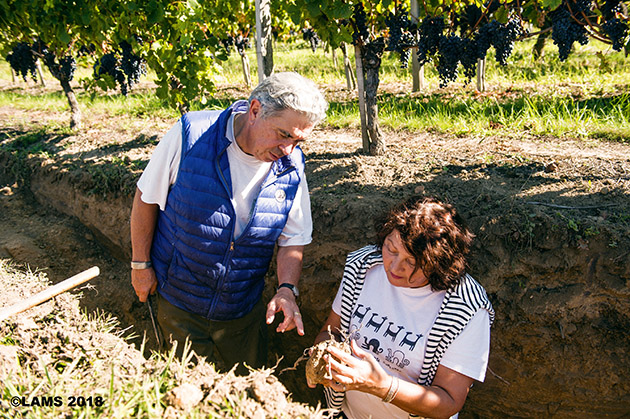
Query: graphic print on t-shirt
[[375, 334]]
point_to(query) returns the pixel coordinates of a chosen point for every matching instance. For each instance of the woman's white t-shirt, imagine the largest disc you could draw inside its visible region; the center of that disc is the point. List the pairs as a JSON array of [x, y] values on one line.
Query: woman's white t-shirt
[[392, 324], [247, 175]]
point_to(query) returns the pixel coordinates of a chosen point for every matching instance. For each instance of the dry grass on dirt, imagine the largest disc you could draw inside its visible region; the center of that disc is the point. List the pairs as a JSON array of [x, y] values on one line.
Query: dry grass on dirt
[[56, 352]]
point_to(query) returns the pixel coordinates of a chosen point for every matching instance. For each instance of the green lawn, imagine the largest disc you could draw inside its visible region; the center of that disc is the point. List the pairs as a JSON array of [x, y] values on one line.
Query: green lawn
[[585, 97]]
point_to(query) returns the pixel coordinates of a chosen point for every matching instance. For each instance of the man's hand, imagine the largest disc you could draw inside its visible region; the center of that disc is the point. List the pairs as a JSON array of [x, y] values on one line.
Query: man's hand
[[284, 301], [143, 220], [144, 282]]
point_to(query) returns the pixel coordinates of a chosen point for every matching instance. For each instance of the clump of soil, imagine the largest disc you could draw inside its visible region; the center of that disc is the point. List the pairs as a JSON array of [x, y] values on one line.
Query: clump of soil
[[317, 368]]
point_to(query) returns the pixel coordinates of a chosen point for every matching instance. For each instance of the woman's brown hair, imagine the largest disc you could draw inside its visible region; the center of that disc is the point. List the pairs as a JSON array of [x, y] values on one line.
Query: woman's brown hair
[[434, 234]]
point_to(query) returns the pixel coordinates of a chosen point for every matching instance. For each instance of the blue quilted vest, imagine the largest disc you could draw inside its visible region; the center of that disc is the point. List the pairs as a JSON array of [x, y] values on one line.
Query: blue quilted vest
[[200, 266]]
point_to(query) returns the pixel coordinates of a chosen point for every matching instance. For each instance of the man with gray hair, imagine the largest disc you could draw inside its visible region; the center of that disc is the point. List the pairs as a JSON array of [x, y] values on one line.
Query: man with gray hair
[[220, 191]]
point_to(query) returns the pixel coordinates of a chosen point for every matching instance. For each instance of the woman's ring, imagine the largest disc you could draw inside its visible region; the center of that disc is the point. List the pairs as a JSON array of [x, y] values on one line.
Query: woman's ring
[[296, 313]]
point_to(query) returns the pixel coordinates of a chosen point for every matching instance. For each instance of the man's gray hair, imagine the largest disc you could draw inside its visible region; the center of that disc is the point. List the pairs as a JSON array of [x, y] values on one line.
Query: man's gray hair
[[282, 91]]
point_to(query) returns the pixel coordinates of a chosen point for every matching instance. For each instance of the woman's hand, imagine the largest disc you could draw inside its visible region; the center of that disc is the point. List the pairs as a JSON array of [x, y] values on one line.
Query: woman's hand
[[359, 372]]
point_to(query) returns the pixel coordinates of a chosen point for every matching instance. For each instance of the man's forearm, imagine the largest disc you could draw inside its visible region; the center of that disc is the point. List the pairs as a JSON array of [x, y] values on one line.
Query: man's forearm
[[289, 262], [143, 220]]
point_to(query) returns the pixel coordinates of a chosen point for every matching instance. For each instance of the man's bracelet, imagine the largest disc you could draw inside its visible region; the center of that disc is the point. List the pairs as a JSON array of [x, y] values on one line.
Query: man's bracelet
[[393, 390], [141, 265]]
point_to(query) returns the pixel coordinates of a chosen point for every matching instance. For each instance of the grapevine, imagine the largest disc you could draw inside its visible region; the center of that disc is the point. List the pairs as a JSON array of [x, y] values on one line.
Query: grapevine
[[242, 43], [309, 35]]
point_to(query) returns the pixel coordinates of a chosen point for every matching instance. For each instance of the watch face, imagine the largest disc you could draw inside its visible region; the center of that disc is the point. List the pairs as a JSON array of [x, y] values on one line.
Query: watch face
[[292, 287]]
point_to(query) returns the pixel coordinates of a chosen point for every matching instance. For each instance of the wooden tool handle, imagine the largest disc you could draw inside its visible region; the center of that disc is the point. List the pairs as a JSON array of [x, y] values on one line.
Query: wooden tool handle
[[49, 293]]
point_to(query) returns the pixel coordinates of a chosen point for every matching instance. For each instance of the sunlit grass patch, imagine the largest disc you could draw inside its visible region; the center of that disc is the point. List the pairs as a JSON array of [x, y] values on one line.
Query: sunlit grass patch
[[581, 97]]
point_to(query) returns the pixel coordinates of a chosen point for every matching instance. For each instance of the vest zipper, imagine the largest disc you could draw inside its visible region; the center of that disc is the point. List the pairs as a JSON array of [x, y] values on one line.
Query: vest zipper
[[273, 178], [228, 255]]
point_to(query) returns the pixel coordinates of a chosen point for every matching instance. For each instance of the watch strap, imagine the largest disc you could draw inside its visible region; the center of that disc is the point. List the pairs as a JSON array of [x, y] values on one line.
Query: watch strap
[[292, 287], [141, 265]]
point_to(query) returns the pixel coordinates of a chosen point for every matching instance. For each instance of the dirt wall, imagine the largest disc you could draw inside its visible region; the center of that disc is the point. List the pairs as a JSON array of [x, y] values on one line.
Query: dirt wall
[[560, 339], [560, 287]]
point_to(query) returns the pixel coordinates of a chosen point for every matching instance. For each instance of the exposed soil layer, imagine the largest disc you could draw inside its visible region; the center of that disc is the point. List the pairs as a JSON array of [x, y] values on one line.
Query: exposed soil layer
[[552, 219]]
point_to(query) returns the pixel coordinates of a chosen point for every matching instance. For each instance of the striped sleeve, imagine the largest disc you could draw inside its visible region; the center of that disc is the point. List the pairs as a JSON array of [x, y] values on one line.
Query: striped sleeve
[[357, 265], [459, 306]]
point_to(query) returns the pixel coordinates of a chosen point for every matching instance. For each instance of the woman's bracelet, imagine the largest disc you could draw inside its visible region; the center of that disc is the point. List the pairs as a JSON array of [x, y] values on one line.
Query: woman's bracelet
[[393, 390]]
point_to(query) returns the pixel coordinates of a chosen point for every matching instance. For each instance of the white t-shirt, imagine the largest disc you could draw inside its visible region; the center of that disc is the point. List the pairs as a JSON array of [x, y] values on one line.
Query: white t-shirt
[[247, 175], [392, 324]]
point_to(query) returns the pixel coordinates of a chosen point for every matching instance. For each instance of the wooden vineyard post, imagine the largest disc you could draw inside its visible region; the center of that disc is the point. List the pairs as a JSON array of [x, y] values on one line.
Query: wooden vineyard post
[[351, 82], [481, 75], [246, 73], [38, 65]]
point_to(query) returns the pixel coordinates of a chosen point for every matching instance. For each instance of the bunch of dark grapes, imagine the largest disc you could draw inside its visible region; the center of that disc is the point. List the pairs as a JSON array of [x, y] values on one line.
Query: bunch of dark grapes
[[617, 31], [132, 65], [361, 34], [402, 35], [504, 38], [485, 37], [468, 57], [242, 43], [310, 36], [125, 68], [429, 36], [110, 64], [227, 43], [22, 61], [499, 36], [610, 8], [565, 29], [449, 52], [67, 67]]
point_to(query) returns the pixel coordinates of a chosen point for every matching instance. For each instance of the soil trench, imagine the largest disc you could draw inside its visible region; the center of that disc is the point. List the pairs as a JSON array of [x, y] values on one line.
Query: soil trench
[[551, 250]]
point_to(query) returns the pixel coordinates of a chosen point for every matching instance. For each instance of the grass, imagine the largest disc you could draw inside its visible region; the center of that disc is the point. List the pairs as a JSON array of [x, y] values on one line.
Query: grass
[[584, 97]]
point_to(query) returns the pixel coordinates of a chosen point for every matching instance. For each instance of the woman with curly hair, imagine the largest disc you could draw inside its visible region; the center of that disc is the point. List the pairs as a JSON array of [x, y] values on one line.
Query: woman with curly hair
[[419, 326]]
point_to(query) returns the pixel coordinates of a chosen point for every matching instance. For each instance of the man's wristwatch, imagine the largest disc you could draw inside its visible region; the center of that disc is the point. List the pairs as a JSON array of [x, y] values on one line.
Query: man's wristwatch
[[292, 287], [141, 265]]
